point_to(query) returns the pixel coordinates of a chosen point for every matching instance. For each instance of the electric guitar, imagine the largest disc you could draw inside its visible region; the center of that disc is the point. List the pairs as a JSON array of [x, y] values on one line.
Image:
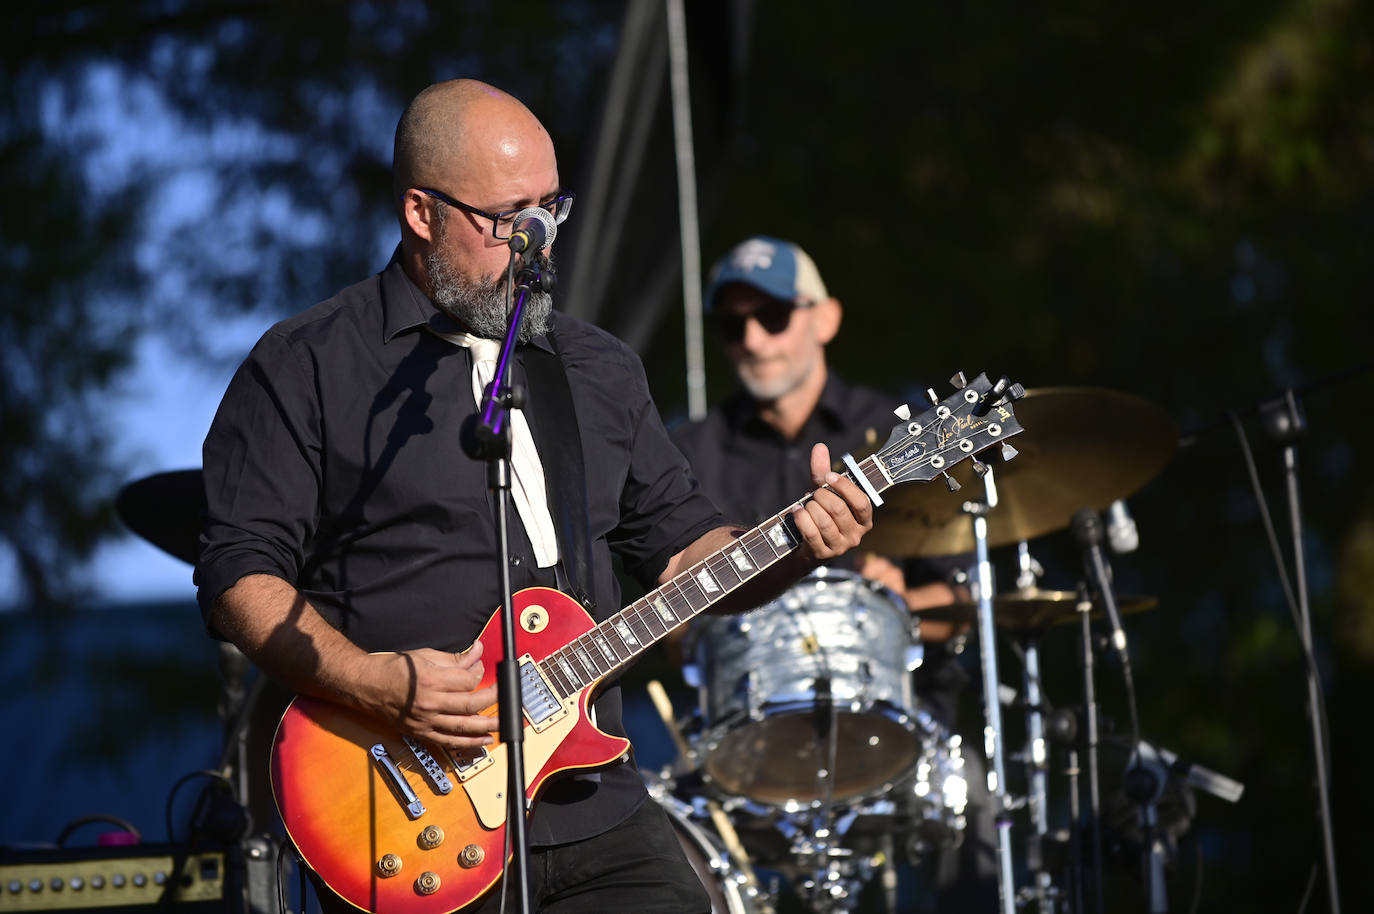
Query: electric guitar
[[398, 826]]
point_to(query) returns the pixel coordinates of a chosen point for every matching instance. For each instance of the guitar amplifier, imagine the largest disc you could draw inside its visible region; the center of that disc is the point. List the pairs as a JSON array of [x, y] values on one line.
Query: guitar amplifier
[[131, 878]]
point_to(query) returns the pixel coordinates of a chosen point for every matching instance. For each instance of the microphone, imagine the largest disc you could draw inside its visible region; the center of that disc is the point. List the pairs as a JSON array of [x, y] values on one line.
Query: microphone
[[1087, 530], [1121, 530], [534, 231]]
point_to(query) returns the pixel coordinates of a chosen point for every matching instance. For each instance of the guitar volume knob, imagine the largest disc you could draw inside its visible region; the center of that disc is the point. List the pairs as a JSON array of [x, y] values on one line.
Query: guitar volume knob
[[388, 866], [471, 856], [428, 883], [431, 837]]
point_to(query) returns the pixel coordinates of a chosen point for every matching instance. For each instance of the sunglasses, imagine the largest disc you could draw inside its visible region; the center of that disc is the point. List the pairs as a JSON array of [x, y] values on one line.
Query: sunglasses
[[773, 317]]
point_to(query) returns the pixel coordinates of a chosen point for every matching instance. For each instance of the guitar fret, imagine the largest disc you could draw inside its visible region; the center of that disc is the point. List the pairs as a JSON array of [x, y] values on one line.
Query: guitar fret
[[652, 620], [588, 659], [551, 676], [626, 633], [611, 628], [582, 673], [606, 650], [742, 561], [725, 572], [760, 550], [707, 581], [691, 594], [574, 681], [665, 612], [637, 623]]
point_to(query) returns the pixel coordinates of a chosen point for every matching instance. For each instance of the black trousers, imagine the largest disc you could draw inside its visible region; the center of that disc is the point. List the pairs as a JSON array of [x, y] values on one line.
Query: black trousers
[[636, 866]]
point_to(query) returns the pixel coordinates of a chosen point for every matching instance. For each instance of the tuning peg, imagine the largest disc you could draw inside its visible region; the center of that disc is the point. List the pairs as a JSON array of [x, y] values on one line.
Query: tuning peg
[[958, 380], [1016, 392], [934, 397], [951, 483], [1008, 451], [903, 412], [979, 466]]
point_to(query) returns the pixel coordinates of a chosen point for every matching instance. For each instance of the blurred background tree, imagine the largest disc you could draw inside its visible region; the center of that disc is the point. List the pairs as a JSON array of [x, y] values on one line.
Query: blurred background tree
[[1173, 200]]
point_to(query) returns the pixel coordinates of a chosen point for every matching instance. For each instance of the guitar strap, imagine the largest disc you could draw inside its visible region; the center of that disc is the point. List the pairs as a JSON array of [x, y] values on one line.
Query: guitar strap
[[553, 423]]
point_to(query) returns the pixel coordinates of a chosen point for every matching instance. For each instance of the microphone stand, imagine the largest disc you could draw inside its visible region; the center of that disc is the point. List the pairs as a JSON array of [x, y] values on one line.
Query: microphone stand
[[487, 437], [1285, 423]]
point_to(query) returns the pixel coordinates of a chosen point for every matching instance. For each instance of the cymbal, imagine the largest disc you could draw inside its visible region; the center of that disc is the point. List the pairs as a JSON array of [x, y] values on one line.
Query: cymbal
[[1033, 609], [165, 509], [1082, 447]]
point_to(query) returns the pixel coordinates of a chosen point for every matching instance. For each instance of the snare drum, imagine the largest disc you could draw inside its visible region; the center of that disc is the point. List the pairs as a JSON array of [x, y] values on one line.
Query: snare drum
[[808, 698]]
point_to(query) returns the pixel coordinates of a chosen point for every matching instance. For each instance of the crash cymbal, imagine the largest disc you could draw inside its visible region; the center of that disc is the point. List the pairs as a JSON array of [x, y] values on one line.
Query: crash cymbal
[[1033, 609], [165, 510], [1082, 447]]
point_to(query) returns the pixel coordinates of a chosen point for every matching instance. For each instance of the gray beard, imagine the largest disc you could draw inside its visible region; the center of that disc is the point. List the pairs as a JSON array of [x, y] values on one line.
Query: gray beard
[[482, 305]]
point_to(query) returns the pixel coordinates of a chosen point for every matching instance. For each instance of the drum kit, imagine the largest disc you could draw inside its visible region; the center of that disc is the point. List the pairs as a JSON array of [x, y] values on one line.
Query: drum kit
[[810, 754]]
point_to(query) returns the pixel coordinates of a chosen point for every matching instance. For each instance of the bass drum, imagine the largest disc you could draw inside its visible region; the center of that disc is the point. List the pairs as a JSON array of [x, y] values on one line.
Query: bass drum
[[729, 889]]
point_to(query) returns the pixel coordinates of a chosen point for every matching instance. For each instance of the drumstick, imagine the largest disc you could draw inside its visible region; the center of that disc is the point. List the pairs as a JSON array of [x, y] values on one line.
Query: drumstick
[[722, 822], [665, 711]]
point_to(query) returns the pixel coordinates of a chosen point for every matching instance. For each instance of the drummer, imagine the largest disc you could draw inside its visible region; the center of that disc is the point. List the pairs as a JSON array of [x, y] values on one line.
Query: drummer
[[774, 317]]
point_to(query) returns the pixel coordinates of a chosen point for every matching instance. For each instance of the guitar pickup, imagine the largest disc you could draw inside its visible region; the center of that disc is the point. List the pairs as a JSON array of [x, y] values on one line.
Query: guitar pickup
[[433, 772], [397, 782]]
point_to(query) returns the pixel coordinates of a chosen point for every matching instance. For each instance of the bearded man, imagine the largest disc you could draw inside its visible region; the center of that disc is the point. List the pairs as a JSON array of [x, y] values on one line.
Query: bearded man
[[349, 544]]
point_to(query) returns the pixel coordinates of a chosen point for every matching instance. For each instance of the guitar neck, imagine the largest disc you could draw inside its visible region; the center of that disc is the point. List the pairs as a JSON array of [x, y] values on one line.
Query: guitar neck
[[633, 630]]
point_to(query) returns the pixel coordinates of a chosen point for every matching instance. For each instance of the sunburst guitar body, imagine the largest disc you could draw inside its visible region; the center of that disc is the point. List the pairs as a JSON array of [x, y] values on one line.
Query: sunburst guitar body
[[395, 826]]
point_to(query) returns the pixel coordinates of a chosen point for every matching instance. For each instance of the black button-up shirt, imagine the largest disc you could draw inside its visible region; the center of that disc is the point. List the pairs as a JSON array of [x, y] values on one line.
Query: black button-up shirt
[[334, 463]]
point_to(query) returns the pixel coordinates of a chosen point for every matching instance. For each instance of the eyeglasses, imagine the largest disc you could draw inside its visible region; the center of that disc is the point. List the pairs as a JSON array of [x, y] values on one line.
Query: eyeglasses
[[773, 316], [503, 223]]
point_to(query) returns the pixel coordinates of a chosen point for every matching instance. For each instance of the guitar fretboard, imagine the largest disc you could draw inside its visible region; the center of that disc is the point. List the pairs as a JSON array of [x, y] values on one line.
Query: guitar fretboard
[[634, 629]]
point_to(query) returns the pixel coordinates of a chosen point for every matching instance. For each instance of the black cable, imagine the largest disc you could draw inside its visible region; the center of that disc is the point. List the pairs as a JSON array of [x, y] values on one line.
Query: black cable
[[1307, 893], [1197, 875], [181, 782], [73, 825], [281, 882]]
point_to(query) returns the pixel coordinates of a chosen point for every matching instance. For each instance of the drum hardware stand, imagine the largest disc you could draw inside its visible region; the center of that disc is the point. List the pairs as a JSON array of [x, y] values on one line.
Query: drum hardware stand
[[1094, 811], [992, 709], [1037, 755], [838, 873]]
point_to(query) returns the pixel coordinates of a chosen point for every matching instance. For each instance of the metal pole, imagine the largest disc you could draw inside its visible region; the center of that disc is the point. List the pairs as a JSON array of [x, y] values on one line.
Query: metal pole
[[687, 210], [992, 707]]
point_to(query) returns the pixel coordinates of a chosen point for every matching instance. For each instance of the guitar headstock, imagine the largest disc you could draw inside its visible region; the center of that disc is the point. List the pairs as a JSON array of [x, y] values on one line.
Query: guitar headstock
[[970, 420]]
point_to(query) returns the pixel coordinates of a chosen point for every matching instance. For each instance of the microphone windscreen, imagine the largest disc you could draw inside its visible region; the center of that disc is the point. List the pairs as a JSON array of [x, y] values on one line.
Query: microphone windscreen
[[538, 225], [1087, 527]]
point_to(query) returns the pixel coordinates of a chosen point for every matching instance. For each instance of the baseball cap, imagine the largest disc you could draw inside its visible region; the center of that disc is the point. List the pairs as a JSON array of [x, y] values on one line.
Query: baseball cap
[[779, 269]]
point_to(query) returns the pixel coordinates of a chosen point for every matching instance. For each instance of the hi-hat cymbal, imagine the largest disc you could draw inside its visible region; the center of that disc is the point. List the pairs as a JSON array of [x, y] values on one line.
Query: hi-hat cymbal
[[165, 509], [1033, 609], [1082, 447]]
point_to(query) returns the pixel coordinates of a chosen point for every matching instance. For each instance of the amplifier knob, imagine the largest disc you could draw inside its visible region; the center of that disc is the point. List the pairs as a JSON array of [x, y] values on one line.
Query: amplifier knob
[[471, 856], [428, 883], [389, 865]]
